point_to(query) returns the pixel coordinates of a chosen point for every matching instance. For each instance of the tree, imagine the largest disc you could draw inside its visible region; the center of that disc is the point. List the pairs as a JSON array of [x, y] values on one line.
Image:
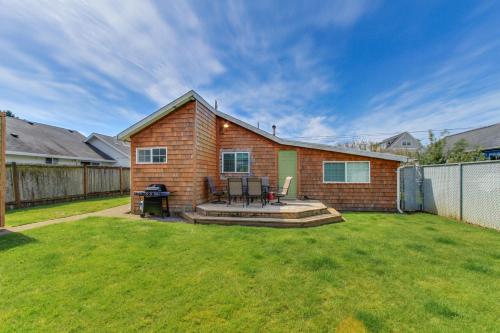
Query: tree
[[459, 154], [434, 152], [9, 113]]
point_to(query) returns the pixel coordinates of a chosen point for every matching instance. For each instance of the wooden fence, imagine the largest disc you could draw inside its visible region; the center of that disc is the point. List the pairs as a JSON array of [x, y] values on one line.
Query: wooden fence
[[29, 184]]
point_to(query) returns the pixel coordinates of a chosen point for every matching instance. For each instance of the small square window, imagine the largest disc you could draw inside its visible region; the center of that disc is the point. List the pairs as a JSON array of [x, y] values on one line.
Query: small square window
[[151, 155], [236, 162]]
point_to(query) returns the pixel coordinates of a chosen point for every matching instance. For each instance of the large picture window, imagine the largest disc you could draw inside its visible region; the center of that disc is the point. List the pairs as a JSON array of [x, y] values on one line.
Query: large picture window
[[346, 172], [236, 162], [153, 155]]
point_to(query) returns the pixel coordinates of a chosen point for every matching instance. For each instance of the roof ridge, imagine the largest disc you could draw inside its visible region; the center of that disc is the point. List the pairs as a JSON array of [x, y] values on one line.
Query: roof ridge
[[44, 125], [472, 130], [193, 95]]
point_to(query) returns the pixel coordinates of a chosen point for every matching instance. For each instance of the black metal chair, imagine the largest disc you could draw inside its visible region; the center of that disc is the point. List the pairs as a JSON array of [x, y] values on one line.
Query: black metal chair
[[234, 189], [265, 188], [284, 192], [254, 190], [214, 192]]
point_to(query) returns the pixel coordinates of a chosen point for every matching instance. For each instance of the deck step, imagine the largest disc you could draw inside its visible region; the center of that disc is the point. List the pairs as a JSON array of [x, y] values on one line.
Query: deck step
[[310, 221]]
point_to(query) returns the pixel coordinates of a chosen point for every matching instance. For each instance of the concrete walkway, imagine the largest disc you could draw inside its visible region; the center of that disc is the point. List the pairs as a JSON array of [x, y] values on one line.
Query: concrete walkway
[[120, 211]]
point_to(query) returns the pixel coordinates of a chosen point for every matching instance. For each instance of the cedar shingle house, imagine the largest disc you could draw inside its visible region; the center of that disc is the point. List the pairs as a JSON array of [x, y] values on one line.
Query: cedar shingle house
[[187, 140]]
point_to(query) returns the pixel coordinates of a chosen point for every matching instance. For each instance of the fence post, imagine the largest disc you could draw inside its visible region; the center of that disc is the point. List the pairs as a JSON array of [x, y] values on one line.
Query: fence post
[[121, 181], [461, 185], [15, 183], [3, 169], [85, 180]]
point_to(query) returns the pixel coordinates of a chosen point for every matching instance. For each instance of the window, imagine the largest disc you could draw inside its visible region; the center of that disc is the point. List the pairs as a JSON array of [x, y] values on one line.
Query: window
[[237, 162], [346, 172], [151, 155], [51, 160], [406, 143]]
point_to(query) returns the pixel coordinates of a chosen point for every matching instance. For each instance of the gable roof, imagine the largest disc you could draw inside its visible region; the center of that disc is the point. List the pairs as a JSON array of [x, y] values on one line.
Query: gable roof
[[393, 139], [487, 137], [35, 139], [121, 147], [192, 96]]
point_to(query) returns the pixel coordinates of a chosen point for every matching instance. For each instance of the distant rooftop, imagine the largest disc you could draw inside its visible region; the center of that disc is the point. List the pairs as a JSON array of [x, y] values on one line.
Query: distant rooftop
[[487, 137], [35, 138], [122, 146]]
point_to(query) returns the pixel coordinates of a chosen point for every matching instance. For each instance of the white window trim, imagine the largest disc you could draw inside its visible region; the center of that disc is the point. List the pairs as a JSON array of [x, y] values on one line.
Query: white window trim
[[235, 164], [345, 172], [151, 152]]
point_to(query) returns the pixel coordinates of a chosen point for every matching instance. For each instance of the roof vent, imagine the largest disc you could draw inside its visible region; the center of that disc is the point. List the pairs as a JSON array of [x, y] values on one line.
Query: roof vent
[[14, 135], [274, 130]]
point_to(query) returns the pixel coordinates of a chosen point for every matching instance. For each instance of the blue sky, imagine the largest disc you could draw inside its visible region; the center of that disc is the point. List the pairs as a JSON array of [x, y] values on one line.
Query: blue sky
[[329, 72]]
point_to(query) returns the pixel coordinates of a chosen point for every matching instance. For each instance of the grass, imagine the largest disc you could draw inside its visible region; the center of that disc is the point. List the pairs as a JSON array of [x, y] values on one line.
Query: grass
[[374, 273], [54, 211]]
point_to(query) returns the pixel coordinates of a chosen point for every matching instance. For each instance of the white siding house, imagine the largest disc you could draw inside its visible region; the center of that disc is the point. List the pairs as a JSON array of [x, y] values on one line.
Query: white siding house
[[118, 150]]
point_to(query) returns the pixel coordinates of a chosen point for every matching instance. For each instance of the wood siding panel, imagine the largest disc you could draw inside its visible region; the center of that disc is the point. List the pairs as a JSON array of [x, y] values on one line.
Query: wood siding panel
[[206, 151], [378, 195], [176, 132], [263, 152]]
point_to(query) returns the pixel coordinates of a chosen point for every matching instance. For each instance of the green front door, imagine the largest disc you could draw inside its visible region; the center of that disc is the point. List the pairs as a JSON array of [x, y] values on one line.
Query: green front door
[[287, 166]]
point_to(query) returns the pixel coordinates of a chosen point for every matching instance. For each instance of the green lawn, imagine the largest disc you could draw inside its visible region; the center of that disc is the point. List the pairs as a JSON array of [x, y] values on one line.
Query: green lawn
[[49, 212], [376, 272]]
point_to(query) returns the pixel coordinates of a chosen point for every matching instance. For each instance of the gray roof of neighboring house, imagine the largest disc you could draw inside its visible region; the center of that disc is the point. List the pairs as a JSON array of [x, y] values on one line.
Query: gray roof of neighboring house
[[393, 139], [35, 139], [487, 137], [192, 95], [121, 146]]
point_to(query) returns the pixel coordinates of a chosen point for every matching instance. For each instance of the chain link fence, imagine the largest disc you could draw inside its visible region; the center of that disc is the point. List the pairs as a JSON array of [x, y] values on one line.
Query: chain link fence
[[463, 191]]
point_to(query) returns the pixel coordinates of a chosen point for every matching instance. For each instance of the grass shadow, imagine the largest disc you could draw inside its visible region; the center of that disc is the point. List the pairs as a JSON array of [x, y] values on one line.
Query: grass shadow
[[9, 240]]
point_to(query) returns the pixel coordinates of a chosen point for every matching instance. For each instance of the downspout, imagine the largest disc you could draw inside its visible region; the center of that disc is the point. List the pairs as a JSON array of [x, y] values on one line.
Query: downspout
[[398, 197]]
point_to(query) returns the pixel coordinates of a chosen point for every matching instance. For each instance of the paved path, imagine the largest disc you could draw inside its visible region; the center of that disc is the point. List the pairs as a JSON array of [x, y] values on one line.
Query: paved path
[[120, 211]]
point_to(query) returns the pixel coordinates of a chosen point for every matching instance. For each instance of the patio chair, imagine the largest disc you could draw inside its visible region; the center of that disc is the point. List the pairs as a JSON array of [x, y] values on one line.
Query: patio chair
[[265, 188], [234, 189], [284, 192], [254, 190], [214, 192]]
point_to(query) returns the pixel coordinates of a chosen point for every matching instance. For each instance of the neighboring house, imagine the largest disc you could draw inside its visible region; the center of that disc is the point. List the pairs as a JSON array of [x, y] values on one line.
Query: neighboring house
[[111, 146], [187, 140], [401, 142], [485, 138], [34, 143]]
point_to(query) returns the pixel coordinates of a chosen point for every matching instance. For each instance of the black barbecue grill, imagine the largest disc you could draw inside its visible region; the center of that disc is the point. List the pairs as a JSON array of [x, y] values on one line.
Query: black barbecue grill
[[155, 200]]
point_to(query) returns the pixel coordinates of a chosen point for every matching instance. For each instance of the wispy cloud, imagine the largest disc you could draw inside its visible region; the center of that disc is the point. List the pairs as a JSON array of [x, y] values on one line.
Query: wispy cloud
[[464, 92], [102, 66]]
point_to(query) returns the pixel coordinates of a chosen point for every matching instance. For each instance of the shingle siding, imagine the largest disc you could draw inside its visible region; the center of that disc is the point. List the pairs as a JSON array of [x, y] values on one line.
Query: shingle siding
[[196, 137]]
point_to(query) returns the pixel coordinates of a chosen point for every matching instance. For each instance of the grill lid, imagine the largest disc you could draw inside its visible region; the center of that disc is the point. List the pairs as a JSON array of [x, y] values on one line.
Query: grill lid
[[156, 188]]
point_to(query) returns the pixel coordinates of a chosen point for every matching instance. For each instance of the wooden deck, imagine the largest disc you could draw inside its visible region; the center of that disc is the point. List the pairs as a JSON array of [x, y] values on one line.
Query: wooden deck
[[294, 214]]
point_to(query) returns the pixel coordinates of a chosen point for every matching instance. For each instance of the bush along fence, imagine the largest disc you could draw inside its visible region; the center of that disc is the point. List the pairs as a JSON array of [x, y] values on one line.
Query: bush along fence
[[464, 191], [29, 184]]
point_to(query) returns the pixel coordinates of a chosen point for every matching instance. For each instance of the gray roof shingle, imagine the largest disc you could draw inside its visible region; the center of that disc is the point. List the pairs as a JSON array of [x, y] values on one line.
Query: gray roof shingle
[[34, 138], [122, 146], [487, 137]]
